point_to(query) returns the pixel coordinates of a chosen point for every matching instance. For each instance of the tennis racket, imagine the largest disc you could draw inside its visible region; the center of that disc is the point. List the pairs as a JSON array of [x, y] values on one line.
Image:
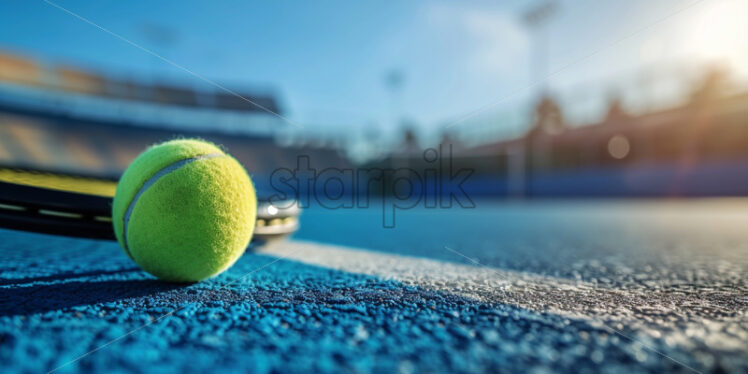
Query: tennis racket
[[80, 206]]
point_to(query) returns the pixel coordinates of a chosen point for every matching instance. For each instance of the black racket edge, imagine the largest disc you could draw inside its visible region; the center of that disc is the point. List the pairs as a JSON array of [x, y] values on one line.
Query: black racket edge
[[32, 197], [60, 226]]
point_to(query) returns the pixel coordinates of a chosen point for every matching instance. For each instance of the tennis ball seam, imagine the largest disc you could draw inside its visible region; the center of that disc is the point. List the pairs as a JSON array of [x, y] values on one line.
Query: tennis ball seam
[[166, 170]]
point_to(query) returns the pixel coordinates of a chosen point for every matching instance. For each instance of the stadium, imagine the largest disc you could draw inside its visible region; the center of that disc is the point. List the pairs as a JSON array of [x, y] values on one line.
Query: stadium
[[379, 187]]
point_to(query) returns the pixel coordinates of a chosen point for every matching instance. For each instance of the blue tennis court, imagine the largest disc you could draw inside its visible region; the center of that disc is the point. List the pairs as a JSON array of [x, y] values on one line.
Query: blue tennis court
[[585, 287]]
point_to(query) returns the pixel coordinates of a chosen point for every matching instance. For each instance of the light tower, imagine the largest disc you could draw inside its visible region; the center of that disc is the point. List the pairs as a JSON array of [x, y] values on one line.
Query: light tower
[[536, 19]]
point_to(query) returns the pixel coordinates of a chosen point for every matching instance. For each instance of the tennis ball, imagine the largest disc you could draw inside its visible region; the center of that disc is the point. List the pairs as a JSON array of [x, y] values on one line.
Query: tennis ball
[[184, 210]]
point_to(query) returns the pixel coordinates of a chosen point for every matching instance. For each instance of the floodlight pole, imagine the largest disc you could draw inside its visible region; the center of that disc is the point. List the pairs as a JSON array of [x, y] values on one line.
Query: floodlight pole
[[536, 18]]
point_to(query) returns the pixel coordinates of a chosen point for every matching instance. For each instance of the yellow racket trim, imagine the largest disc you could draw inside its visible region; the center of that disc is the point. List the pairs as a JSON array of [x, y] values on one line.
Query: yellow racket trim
[[91, 186]]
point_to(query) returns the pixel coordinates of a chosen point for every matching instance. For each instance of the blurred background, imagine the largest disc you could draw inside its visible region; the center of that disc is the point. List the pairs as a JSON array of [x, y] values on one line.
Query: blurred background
[[539, 98]]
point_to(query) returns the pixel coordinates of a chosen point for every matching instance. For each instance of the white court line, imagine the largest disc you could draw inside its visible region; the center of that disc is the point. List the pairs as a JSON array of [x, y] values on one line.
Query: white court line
[[480, 283], [648, 311]]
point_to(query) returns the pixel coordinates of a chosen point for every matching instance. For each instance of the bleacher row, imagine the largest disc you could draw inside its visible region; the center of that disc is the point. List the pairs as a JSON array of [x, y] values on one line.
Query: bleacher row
[[28, 72], [102, 150]]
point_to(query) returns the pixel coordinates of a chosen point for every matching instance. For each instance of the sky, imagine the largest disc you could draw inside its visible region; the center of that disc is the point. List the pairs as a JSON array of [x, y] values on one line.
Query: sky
[[327, 61]]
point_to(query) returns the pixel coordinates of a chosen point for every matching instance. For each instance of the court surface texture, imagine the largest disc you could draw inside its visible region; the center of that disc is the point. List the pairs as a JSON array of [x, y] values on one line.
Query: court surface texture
[[603, 286]]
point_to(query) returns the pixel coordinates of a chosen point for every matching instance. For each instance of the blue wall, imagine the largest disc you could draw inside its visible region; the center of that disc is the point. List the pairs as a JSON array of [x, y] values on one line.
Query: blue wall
[[660, 180]]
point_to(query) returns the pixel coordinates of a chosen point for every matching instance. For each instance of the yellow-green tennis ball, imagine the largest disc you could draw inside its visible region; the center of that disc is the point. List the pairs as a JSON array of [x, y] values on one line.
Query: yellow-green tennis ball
[[184, 210]]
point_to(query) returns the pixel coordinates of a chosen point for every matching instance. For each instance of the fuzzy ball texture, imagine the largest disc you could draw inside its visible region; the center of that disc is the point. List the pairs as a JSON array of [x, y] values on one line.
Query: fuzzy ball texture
[[184, 210]]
